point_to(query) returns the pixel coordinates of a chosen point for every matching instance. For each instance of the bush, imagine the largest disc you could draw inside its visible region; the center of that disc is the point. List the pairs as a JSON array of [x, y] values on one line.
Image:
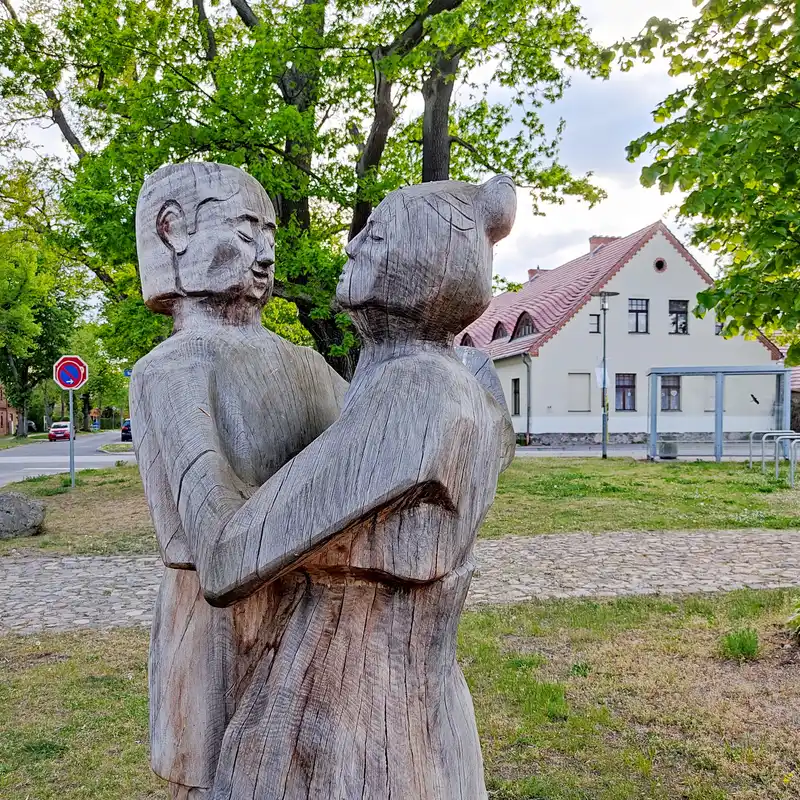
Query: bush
[[741, 645]]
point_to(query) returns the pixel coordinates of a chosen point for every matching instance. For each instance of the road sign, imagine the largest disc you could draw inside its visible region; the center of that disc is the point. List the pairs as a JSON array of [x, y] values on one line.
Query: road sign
[[70, 372], [127, 372]]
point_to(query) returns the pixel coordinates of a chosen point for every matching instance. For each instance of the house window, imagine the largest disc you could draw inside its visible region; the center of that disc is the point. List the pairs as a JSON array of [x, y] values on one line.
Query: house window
[[579, 385], [524, 326], [499, 331], [670, 393], [466, 341], [594, 323], [515, 397], [679, 316], [626, 391], [638, 315]]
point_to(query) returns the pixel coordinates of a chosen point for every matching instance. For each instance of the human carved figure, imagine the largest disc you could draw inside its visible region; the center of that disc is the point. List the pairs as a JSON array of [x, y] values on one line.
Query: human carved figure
[[217, 409], [366, 536]]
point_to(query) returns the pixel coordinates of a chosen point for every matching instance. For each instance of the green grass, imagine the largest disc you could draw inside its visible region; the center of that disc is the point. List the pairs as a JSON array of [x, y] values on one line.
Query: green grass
[[547, 495], [105, 515], [117, 447], [740, 645], [575, 700], [108, 514]]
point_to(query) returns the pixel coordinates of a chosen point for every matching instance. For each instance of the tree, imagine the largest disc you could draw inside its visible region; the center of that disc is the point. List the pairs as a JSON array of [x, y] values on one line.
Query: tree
[[318, 101], [729, 140], [36, 319]]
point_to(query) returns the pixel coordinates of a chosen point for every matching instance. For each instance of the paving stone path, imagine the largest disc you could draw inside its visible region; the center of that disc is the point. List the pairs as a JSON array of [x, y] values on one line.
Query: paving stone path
[[39, 594]]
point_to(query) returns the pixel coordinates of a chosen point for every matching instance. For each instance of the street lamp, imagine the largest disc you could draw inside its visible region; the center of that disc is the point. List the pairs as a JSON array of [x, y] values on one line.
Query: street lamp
[[604, 307]]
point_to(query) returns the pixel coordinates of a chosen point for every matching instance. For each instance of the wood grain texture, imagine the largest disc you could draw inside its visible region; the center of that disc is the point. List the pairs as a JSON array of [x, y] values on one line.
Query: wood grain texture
[[334, 550], [225, 387]]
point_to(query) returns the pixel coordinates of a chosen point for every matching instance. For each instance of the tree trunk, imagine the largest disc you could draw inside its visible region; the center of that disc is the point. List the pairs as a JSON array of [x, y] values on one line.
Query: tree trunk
[[86, 409], [325, 333], [22, 424], [437, 91], [373, 148], [49, 405]]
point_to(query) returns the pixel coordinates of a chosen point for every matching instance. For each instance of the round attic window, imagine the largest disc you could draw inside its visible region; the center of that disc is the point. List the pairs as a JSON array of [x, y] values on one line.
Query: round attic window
[[659, 265]]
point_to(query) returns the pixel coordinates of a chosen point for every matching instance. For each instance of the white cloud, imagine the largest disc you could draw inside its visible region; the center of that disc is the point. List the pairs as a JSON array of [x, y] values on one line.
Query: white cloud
[[602, 118]]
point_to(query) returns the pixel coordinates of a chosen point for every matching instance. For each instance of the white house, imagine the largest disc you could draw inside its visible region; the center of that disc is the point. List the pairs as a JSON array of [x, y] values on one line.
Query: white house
[[546, 344]]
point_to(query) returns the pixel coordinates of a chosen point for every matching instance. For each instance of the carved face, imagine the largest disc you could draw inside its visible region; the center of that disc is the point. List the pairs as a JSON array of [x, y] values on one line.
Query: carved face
[[228, 248], [425, 257]]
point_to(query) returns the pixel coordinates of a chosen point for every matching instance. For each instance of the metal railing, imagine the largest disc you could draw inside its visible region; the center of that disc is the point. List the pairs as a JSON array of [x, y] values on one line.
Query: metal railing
[[788, 437], [793, 461], [763, 435], [769, 435]]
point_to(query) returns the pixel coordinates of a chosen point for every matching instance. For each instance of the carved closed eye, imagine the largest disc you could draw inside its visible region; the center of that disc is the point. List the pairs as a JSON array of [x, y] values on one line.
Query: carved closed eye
[[245, 237]]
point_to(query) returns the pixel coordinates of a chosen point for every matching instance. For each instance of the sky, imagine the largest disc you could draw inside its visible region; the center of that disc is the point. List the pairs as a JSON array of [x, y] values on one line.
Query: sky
[[602, 117]]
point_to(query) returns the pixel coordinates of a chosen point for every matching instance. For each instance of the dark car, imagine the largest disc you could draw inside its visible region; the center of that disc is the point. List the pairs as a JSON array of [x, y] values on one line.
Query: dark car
[[125, 431], [59, 431]]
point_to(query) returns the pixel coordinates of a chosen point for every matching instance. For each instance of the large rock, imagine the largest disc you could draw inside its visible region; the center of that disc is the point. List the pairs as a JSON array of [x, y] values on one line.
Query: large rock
[[20, 515]]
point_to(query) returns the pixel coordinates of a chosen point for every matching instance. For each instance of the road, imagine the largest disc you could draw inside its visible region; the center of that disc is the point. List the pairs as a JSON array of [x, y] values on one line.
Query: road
[[45, 458]]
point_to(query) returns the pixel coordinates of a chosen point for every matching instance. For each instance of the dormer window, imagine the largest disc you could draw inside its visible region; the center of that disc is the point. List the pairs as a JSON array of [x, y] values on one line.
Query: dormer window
[[499, 332], [466, 341], [525, 326]]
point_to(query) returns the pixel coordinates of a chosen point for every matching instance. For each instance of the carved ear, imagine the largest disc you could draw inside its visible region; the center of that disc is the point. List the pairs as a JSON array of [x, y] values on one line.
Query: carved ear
[[497, 199], [171, 227]]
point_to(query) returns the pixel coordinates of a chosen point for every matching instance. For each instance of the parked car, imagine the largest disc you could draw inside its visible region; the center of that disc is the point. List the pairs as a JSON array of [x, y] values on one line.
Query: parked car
[[59, 431], [125, 431]]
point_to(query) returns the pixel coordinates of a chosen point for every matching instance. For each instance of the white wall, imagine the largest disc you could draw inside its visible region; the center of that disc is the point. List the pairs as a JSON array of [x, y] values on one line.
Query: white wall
[[575, 350]]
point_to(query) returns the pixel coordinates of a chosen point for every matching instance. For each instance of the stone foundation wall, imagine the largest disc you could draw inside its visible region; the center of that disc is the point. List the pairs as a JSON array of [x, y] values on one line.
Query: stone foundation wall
[[577, 439]]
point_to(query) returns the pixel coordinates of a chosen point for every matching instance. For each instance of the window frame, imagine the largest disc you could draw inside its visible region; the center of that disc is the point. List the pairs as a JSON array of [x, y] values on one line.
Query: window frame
[[672, 382], [674, 318], [621, 407], [523, 318], [588, 399], [503, 332], [466, 341], [594, 318], [515, 397], [637, 313]]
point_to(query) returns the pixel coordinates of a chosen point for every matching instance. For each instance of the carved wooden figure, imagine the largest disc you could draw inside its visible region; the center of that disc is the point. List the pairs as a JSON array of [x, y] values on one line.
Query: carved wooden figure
[[222, 402], [328, 670]]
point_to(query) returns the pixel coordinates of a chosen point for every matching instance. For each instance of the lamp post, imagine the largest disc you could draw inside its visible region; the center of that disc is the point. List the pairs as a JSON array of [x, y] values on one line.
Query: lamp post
[[604, 308]]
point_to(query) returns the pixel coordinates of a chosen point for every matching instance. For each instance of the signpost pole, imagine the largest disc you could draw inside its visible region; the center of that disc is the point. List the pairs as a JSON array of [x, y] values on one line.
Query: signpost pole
[[71, 441]]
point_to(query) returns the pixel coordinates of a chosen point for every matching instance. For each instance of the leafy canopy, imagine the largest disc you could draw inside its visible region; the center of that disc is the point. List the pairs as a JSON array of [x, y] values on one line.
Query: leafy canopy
[[329, 105], [730, 140]]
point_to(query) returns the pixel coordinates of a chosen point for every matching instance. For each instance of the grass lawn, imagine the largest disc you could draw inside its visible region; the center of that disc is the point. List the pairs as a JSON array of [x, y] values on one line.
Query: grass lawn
[[548, 495], [575, 700], [107, 513]]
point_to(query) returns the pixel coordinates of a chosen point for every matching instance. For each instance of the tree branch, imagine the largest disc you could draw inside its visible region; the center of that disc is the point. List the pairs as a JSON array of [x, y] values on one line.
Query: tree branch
[[56, 111], [246, 14], [474, 150], [206, 30]]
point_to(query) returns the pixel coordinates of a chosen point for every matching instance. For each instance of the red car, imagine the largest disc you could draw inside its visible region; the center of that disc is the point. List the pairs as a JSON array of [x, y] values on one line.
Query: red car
[[59, 431]]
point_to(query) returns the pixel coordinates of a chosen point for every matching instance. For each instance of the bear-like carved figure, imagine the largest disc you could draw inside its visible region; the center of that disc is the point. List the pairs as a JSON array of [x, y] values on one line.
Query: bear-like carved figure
[[368, 532]]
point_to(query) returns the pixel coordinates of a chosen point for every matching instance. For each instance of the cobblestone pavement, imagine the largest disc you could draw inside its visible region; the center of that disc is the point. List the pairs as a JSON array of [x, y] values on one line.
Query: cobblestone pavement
[[61, 593]]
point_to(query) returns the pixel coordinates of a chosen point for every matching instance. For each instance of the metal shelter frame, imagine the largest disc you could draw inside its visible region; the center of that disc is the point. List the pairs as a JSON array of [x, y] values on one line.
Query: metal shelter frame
[[784, 407]]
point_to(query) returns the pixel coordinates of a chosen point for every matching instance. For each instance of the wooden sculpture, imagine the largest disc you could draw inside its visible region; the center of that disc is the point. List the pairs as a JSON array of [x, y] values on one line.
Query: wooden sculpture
[[340, 578], [237, 402]]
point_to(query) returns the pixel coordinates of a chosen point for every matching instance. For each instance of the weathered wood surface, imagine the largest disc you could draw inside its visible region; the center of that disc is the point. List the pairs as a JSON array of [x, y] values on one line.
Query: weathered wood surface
[[247, 401], [340, 574]]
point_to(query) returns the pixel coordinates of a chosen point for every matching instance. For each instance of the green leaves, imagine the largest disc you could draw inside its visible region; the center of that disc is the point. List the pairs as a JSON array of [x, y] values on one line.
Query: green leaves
[[729, 140]]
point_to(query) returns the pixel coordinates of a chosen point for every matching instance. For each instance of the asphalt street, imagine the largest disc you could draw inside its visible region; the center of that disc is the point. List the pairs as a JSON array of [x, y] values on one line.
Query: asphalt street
[[45, 458]]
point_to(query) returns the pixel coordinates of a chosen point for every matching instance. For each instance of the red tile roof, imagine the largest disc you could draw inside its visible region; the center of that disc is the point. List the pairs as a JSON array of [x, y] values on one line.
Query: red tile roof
[[552, 297]]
